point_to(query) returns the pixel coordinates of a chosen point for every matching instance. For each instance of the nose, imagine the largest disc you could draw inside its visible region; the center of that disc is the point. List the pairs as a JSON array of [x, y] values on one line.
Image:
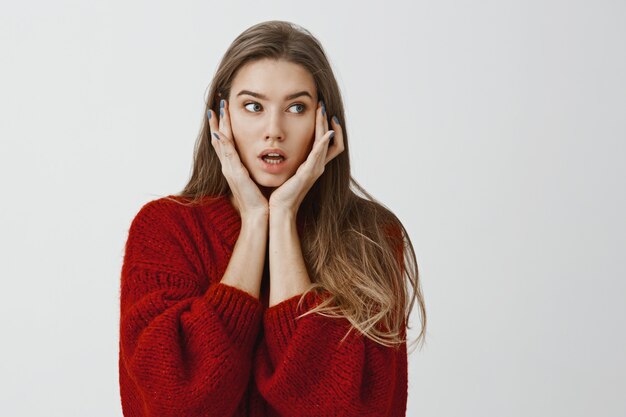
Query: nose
[[275, 126]]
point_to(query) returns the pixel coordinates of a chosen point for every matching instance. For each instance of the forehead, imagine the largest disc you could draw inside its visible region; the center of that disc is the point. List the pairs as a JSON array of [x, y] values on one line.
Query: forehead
[[273, 78]]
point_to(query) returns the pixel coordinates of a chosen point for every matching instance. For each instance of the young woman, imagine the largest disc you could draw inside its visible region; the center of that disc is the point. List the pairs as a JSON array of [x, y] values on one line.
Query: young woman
[[267, 287]]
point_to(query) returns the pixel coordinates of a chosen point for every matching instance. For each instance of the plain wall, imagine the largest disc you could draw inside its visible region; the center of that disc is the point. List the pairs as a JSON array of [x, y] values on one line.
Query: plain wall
[[495, 130]]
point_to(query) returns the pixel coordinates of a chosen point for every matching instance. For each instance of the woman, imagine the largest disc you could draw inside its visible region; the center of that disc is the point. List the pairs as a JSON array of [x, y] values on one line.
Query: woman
[[267, 287]]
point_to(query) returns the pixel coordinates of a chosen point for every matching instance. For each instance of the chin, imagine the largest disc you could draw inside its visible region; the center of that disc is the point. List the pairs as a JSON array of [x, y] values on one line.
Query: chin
[[269, 180]]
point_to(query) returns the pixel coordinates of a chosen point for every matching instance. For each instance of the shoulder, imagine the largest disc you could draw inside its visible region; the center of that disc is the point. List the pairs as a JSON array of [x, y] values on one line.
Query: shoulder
[[152, 226], [170, 219], [172, 209], [152, 211], [184, 220], [168, 233], [156, 215]]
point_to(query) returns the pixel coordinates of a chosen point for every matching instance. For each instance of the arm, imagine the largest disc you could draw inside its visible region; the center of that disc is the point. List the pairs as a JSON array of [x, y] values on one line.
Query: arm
[[288, 274], [245, 268], [300, 368], [185, 349]]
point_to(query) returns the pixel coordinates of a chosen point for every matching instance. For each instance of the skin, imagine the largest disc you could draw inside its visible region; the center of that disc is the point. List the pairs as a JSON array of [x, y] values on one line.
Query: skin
[[246, 126]]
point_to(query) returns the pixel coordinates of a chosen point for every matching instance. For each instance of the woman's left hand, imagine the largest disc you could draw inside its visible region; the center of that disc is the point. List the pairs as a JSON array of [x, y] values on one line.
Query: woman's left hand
[[290, 194]]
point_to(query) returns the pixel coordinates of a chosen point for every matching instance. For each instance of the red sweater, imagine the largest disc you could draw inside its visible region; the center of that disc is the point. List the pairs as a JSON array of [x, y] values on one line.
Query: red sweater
[[192, 346]]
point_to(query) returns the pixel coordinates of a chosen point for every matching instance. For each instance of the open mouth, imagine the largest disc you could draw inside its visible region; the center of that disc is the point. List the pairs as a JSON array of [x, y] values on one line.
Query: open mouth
[[273, 159]]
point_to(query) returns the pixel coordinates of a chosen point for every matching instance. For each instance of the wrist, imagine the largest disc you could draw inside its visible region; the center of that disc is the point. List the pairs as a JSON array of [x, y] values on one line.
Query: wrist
[[255, 221], [281, 216]]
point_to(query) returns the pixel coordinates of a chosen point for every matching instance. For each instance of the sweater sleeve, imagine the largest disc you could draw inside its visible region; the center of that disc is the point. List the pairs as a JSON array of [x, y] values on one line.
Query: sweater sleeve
[[183, 351], [301, 369]]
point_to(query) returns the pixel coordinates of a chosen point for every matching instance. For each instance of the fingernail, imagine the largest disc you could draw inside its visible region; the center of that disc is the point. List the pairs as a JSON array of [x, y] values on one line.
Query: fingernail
[[336, 120], [221, 103], [216, 136], [323, 109], [208, 113], [332, 135]]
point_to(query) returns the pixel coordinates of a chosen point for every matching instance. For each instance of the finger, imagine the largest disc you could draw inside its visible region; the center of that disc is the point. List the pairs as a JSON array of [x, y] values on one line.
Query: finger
[[316, 153], [319, 122], [225, 147], [320, 148], [338, 146], [214, 133], [225, 120], [315, 163], [231, 164], [221, 115], [325, 116], [325, 143], [228, 145]]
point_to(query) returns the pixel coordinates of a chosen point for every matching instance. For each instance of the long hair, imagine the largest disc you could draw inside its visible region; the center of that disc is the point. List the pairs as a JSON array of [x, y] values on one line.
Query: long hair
[[355, 249]]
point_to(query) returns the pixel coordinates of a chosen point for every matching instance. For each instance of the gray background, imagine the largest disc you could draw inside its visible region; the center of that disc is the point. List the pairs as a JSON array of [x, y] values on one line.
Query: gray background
[[495, 130]]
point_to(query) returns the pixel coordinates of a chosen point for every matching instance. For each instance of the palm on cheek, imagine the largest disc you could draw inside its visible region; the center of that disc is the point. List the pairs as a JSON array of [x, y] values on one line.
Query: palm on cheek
[[248, 197], [291, 193]]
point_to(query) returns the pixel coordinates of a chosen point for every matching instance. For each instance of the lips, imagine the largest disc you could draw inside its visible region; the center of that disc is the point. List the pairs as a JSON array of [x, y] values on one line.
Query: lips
[[272, 161], [268, 151]]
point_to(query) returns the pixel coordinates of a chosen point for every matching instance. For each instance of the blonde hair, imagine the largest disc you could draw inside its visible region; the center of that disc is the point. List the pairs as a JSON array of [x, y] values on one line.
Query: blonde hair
[[355, 249]]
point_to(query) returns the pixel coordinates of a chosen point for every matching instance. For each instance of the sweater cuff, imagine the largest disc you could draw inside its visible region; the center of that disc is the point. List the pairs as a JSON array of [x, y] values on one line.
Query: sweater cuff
[[280, 322], [239, 311]]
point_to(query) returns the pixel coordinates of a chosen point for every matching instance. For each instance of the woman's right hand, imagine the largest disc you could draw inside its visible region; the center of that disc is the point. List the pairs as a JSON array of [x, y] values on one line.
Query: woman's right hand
[[249, 199]]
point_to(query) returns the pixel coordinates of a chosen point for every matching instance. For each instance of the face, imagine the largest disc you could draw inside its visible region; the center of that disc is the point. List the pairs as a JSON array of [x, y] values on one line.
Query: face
[[266, 113]]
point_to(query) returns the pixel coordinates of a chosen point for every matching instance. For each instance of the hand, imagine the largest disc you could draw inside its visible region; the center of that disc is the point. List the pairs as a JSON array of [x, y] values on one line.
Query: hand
[[291, 193], [248, 197]]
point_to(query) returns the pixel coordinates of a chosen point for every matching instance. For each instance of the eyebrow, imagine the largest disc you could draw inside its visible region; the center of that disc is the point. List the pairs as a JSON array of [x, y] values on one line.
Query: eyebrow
[[263, 97]]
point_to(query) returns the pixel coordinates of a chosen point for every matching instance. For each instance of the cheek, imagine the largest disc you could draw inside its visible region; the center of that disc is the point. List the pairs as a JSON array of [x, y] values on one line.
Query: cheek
[[309, 138], [240, 134], [235, 125], [306, 145], [307, 132]]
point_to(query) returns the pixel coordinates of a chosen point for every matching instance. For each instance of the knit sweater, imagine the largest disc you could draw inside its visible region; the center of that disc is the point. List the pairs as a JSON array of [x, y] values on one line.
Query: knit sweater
[[193, 346]]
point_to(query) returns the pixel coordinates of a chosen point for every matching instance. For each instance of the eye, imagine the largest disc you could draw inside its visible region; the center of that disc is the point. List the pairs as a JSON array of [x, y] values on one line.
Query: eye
[[252, 102], [302, 107]]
